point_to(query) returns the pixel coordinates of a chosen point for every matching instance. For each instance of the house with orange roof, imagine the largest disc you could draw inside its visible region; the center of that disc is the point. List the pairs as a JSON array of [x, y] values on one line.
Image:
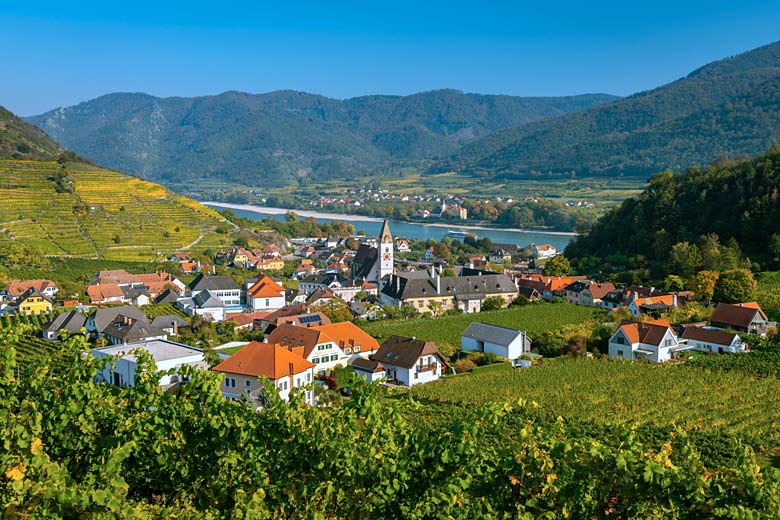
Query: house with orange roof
[[102, 294], [543, 251], [653, 341], [653, 305], [264, 294], [16, 288], [245, 372], [327, 346]]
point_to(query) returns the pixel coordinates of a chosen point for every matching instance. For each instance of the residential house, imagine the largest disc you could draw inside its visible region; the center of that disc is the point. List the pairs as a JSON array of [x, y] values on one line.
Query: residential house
[[465, 293], [543, 251], [706, 339], [103, 317], [341, 286], [220, 286], [653, 341], [16, 288], [170, 324], [31, 302], [206, 304], [327, 346], [166, 354], [410, 361], [501, 341], [402, 245], [286, 369], [126, 329], [264, 294], [742, 317], [652, 305], [136, 295], [594, 293], [321, 295], [71, 322], [573, 291]]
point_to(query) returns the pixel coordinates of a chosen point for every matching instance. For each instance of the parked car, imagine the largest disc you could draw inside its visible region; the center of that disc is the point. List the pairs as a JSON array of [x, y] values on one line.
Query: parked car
[[521, 363]]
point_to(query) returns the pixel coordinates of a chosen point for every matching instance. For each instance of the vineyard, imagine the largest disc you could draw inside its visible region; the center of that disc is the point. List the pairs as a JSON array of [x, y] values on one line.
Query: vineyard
[[768, 294], [166, 309], [29, 344], [630, 394], [759, 363], [532, 319], [84, 211]]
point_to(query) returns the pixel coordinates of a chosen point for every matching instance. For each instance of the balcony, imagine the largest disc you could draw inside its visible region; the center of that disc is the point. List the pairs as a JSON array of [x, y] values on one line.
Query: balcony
[[427, 368]]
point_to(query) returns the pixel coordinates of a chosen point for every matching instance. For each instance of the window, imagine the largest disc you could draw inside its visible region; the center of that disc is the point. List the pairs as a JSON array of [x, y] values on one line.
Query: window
[[315, 360], [308, 377], [620, 340], [247, 383], [420, 304], [298, 382], [348, 350], [230, 382], [267, 302], [416, 375], [334, 357], [620, 353], [283, 385], [356, 349]]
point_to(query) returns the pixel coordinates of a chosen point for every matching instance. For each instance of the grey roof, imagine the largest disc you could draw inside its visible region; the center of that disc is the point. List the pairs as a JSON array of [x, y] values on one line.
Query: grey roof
[[130, 292], [167, 320], [576, 287], [364, 261], [167, 296], [327, 279], [491, 333], [135, 330], [401, 287], [72, 321], [33, 292], [213, 283], [367, 365], [104, 316], [206, 300]]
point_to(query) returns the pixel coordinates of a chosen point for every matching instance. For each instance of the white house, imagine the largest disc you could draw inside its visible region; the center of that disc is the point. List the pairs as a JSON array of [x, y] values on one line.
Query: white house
[[166, 354], [706, 339], [543, 251], [264, 294], [223, 287], [410, 361], [653, 341], [326, 346], [205, 304], [501, 341], [284, 368]]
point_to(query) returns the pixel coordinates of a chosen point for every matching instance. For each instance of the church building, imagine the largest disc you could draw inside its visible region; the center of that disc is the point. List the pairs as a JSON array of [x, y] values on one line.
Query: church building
[[374, 263]]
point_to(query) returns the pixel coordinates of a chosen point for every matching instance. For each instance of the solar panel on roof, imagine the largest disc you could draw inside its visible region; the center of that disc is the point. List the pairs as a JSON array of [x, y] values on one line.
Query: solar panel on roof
[[310, 319]]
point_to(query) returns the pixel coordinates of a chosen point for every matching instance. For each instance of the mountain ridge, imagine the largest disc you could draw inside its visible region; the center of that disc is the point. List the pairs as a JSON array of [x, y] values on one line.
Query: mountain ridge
[[279, 136], [578, 143]]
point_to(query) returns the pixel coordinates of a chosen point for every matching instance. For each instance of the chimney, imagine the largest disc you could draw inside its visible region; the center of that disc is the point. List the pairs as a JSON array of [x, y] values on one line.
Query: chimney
[[397, 284], [674, 300], [175, 328], [433, 271], [438, 284], [291, 368]]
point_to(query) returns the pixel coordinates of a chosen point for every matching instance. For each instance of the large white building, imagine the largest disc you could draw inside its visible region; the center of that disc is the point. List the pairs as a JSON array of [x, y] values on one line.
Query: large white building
[[374, 263], [166, 355]]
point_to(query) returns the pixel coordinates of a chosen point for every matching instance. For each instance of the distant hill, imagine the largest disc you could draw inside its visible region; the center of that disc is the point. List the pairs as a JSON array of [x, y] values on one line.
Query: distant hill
[[726, 108], [58, 207], [736, 200], [279, 136], [21, 140]]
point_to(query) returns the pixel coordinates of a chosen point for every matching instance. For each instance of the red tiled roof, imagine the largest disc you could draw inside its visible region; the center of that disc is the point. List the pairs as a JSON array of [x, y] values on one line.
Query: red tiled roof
[[264, 359]]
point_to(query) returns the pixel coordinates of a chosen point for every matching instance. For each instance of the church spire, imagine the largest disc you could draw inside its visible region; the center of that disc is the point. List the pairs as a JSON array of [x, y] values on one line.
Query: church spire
[[384, 235]]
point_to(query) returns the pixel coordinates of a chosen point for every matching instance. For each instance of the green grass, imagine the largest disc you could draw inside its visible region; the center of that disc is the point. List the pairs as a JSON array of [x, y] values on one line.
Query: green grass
[[533, 319], [630, 394]]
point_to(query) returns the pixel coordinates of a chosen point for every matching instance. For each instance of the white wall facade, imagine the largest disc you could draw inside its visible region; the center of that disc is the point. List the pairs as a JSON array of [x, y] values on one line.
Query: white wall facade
[[512, 351], [266, 304]]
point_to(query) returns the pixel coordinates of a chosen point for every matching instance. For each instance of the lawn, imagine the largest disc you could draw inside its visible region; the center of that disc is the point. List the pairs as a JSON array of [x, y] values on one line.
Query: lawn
[[533, 319]]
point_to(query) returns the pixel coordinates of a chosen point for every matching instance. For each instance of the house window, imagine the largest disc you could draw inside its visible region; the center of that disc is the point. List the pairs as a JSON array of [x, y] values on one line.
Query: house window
[[230, 382], [620, 353], [620, 340], [308, 378], [247, 383], [334, 357], [416, 375], [356, 349], [348, 350], [283, 385], [315, 360], [420, 304], [267, 302]]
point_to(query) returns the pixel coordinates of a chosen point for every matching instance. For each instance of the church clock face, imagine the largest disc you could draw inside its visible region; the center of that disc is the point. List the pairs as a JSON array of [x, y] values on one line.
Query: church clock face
[[387, 256]]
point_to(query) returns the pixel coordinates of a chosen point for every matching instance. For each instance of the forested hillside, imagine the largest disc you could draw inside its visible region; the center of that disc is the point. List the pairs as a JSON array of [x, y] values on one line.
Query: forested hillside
[[20, 140], [726, 108], [737, 201], [272, 138]]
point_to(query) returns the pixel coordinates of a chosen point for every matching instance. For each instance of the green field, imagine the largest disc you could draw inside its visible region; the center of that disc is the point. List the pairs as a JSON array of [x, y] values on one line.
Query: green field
[[624, 393], [84, 211], [532, 319]]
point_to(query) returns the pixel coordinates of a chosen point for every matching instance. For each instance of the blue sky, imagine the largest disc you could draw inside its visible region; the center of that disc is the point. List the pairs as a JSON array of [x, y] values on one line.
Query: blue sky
[[55, 54]]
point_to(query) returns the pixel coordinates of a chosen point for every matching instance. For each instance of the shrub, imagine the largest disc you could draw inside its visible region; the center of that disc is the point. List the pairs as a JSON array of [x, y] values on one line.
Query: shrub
[[464, 365], [488, 358]]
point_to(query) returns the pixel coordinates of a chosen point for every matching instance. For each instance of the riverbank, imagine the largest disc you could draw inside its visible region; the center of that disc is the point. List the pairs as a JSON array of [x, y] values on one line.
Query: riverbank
[[265, 210]]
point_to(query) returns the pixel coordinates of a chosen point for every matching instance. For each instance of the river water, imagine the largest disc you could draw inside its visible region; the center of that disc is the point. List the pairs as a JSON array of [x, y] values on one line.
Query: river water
[[422, 230]]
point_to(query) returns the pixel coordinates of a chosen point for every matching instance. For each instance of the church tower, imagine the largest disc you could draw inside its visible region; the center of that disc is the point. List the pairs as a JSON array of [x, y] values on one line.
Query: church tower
[[385, 251]]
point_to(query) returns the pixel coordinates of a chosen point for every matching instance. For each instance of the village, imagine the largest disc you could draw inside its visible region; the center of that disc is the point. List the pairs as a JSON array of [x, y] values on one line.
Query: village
[[305, 328]]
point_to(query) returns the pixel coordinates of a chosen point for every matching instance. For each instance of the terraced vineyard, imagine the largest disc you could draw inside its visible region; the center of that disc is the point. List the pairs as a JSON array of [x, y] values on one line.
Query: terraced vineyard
[[84, 211], [29, 344], [630, 394]]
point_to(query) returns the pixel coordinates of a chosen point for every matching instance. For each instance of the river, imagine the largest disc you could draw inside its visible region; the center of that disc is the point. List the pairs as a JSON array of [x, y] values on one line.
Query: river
[[421, 230]]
